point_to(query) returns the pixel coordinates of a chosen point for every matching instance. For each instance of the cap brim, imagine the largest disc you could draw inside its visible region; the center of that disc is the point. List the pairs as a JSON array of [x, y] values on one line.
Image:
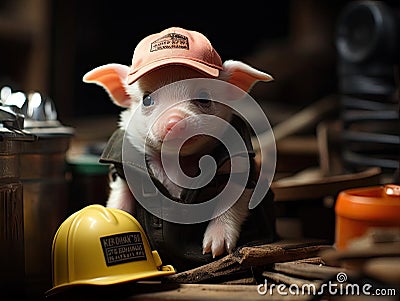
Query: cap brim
[[201, 67], [110, 280]]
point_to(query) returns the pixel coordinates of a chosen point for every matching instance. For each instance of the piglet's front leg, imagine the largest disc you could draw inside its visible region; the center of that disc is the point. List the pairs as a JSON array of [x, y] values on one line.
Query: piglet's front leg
[[120, 196], [223, 231]]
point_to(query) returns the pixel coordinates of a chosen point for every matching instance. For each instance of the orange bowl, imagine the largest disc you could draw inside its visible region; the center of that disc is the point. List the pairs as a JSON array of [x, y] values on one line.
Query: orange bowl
[[359, 209]]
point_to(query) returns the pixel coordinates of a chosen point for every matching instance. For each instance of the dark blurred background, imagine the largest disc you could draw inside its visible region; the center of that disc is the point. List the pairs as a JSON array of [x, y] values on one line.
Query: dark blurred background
[[48, 46]]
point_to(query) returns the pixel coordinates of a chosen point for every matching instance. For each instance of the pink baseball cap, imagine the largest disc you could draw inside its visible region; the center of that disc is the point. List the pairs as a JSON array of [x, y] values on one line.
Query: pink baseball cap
[[174, 46]]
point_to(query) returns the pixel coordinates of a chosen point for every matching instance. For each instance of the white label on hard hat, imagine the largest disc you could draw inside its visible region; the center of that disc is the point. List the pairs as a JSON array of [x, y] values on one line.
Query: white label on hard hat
[[122, 248]]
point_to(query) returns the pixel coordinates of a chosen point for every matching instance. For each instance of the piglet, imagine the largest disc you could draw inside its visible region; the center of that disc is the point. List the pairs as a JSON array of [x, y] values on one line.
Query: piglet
[[173, 55]]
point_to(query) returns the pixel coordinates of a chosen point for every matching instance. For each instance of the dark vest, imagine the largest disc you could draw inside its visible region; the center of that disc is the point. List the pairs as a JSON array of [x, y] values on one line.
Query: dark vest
[[181, 244]]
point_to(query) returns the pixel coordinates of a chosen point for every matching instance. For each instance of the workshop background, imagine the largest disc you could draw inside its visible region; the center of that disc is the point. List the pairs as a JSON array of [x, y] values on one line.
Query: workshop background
[[334, 107]]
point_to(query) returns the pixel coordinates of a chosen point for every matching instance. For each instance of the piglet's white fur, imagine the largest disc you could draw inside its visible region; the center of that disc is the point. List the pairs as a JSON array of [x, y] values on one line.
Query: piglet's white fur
[[223, 231]]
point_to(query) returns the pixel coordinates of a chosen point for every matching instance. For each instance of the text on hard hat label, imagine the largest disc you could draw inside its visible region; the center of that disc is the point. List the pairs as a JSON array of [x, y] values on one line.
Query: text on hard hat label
[[122, 248]]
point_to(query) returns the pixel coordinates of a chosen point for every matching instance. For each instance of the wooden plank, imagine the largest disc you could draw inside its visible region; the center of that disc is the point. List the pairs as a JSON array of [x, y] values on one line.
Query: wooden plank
[[200, 292], [305, 118], [311, 184], [289, 280], [157, 290], [238, 264], [268, 254], [313, 260], [334, 257], [307, 270], [355, 259], [298, 145], [242, 281], [385, 269]]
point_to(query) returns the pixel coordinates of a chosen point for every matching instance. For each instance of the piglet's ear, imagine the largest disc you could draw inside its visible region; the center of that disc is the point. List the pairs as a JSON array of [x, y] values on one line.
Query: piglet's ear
[[112, 78], [242, 75]]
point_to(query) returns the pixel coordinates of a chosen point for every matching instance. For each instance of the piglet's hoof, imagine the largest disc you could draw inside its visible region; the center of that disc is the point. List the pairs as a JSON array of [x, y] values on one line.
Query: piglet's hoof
[[219, 238]]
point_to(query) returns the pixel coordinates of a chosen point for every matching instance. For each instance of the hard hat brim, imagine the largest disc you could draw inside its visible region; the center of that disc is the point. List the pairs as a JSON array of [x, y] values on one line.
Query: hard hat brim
[[110, 280]]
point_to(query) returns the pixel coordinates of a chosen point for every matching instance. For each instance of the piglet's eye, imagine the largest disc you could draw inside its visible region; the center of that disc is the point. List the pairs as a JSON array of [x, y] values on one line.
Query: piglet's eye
[[147, 100], [203, 99], [204, 95]]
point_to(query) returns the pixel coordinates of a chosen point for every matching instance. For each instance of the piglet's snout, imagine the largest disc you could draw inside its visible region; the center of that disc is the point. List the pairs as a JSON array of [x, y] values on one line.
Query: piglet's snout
[[174, 127], [175, 123]]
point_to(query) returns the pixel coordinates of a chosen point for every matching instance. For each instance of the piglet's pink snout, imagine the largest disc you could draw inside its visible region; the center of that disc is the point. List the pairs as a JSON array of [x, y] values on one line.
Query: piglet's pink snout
[[176, 123], [174, 127]]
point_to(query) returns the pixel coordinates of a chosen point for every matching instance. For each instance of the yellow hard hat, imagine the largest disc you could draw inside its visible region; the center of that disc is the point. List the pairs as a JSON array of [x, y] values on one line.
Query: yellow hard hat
[[101, 246]]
